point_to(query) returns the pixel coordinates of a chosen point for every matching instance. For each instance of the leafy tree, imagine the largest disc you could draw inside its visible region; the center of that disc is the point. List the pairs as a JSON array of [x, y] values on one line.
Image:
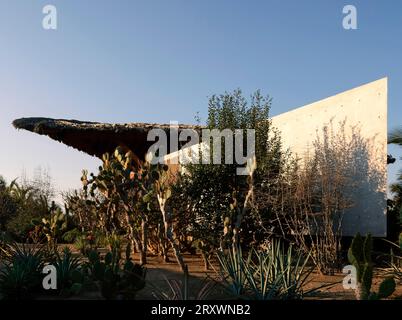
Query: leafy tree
[[8, 205], [21, 203], [212, 193]]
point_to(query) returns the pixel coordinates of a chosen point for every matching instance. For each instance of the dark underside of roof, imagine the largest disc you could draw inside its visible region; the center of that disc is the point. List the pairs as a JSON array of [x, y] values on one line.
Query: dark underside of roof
[[96, 138]]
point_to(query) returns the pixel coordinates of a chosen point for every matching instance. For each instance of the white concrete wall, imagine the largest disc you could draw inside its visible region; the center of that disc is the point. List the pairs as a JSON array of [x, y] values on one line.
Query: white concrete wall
[[366, 108]]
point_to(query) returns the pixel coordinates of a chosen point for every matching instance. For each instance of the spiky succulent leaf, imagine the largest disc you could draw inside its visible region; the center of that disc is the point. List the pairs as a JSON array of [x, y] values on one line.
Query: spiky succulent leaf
[[367, 277], [355, 252], [368, 246]]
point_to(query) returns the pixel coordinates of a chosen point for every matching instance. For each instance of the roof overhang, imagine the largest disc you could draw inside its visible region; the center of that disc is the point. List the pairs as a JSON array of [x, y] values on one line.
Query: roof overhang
[[96, 138]]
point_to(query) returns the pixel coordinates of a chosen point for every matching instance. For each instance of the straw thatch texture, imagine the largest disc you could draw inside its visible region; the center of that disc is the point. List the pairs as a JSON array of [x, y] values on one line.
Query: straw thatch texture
[[96, 138]]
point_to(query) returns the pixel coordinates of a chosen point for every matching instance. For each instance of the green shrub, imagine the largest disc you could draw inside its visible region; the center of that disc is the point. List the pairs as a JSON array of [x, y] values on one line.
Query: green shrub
[[71, 235], [88, 241]]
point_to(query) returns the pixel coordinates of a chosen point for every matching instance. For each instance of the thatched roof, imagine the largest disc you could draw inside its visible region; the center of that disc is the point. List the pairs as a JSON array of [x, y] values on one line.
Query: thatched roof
[[96, 138]]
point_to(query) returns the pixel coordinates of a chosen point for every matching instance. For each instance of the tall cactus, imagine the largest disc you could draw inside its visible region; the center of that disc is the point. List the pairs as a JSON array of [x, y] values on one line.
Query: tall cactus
[[163, 192], [359, 255]]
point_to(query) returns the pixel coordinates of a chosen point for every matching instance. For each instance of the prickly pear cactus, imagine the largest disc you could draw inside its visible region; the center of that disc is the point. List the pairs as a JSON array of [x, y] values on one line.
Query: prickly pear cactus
[[115, 279], [359, 255], [53, 227]]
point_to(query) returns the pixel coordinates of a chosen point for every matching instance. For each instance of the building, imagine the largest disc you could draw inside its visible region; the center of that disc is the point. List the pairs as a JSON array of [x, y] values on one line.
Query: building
[[362, 109]]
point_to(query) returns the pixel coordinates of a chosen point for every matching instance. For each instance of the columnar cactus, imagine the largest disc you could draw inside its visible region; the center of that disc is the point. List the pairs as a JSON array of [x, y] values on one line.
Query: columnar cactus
[[359, 256]]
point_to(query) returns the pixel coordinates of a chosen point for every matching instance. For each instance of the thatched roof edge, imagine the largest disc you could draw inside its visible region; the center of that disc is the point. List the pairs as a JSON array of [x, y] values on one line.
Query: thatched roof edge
[[95, 138]]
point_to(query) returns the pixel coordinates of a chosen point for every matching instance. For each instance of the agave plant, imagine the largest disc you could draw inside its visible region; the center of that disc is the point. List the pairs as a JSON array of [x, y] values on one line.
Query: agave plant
[[13, 252], [292, 270], [263, 282], [21, 276], [276, 273], [70, 276], [394, 266], [232, 270]]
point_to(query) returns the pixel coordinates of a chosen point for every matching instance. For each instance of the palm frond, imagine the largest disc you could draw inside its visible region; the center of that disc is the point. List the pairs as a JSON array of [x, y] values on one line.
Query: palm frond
[[395, 137]]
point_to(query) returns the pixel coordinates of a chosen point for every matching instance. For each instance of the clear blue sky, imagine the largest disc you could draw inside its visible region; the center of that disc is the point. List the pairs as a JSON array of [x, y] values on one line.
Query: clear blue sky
[[156, 61]]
